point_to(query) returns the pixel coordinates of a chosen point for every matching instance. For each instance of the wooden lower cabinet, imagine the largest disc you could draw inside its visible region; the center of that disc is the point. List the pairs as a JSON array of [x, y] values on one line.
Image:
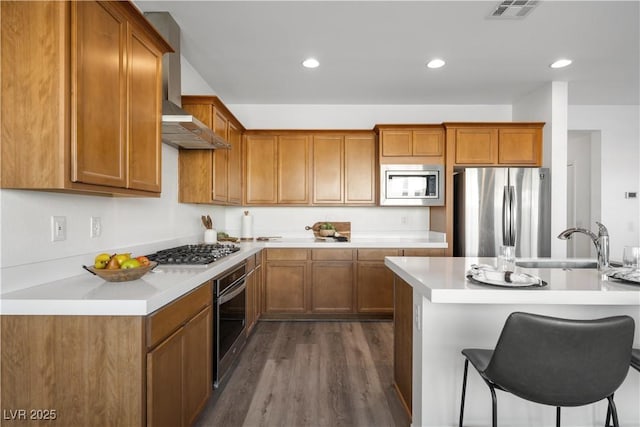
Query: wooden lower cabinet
[[374, 281], [285, 287], [332, 287], [403, 341], [111, 370], [254, 291]]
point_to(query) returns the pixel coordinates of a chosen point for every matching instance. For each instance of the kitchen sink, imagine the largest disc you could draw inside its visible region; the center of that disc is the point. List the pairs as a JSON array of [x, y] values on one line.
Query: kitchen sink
[[558, 263]]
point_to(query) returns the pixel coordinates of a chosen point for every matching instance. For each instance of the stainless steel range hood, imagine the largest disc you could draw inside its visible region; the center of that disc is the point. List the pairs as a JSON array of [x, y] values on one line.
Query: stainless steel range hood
[[179, 128]]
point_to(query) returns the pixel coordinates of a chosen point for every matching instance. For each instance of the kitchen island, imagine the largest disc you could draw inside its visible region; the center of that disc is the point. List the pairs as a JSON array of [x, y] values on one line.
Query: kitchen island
[[449, 313]]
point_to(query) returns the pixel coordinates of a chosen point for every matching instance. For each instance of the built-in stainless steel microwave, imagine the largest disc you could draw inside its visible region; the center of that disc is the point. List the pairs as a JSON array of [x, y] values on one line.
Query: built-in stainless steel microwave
[[411, 185]]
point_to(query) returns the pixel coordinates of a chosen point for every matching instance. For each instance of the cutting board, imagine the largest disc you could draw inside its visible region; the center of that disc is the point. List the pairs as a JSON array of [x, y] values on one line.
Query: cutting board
[[343, 228]]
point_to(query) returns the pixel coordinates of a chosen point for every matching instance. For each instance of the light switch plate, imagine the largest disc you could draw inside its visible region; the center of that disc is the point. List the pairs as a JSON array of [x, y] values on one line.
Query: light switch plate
[[96, 227], [58, 228]]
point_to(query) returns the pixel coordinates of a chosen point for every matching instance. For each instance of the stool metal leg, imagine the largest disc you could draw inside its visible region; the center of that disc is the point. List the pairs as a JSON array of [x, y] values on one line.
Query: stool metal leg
[[606, 423], [464, 390], [614, 412], [494, 406], [557, 416]]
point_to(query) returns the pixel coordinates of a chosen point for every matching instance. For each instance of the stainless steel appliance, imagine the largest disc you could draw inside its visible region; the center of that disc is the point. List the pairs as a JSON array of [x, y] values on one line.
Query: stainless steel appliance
[[229, 320], [202, 255], [502, 206], [411, 185]]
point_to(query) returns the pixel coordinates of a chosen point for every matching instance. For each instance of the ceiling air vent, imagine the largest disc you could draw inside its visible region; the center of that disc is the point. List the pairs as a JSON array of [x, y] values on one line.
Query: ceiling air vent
[[513, 9]]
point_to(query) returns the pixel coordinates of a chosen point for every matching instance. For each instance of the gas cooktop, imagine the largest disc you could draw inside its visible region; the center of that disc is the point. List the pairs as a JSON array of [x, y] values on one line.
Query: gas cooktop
[[201, 255]]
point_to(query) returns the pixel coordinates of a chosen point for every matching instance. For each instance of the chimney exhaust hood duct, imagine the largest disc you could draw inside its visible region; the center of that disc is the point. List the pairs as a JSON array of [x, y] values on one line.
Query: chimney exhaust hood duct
[[179, 128]]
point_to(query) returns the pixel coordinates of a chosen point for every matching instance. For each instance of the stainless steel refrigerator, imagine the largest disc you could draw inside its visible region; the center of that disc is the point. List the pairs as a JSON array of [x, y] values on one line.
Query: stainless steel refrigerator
[[502, 206]]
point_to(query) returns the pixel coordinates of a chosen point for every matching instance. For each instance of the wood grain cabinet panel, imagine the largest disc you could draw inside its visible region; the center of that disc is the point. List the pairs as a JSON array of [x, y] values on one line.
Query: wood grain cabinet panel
[[261, 184], [293, 169], [520, 146], [332, 287], [164, 383], [374, 288], [424, 252], [360, 170], [197, 364], [403, 341], [286, 287], [328, 166], [211, 176], [476, 146], [420, 144], [81, 112]]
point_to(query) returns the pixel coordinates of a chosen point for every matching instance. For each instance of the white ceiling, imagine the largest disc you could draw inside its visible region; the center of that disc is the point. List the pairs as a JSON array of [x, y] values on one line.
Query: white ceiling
[[374, 52]]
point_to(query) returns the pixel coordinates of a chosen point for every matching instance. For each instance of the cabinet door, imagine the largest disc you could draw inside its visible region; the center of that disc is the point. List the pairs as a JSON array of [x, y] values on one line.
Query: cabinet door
[[261, 169], [220, 160], [396, 142], [428, 142], [520, 146], [403, 340], [328, 176], [197, 364], [145, 109], [234, 137], [476, 146], [424, 252], [164, 383], [360, 170], [332, 287], [293, 169], [374, 288], [285, 287], [99, 107]]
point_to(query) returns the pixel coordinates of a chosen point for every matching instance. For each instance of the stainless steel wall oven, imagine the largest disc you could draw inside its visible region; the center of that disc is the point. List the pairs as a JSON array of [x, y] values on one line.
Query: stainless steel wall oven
[[229, 324]]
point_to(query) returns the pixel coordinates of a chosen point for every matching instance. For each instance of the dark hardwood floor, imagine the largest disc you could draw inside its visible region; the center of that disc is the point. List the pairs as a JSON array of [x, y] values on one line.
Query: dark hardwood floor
[[311, 374]]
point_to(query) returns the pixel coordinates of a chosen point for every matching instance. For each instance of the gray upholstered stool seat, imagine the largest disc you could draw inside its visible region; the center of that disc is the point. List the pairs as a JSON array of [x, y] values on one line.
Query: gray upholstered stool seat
[[557, 362]]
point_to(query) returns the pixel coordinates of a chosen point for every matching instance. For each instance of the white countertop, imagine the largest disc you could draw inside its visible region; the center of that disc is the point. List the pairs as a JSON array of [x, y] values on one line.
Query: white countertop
[[84, 294], [443, 280]]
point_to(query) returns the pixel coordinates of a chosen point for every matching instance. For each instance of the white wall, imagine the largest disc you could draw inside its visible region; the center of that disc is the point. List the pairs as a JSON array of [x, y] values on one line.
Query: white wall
[[549, 104], [126, 223], [619, 128]]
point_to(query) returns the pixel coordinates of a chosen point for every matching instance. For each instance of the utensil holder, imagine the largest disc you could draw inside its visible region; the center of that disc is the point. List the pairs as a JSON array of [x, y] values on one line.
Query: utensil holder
[[210, 236]]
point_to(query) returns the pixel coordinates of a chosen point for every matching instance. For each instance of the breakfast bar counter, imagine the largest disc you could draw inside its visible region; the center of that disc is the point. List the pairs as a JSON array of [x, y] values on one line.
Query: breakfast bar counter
[[449, 313]]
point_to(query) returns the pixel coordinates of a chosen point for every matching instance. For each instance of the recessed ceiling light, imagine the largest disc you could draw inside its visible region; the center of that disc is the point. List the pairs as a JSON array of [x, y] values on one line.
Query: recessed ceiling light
[[561, 63], [435, 63], [310, 63]]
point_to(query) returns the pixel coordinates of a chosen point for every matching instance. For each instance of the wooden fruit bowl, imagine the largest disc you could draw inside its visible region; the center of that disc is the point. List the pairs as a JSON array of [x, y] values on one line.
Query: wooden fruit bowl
[[122, 275]]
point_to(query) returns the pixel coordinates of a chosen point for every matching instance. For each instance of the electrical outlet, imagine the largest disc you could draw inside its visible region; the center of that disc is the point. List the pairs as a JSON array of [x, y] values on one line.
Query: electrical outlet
[[58, 228], [404, 220], [96, 227]]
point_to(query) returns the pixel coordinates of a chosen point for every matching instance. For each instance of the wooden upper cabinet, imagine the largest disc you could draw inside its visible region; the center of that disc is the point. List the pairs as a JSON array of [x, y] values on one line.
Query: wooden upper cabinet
[[234, 135], [145, 154], [476, 146], [260, 156], [411, 144], [81, 113], [344, 169], [360, 169], [520, 146], [504, 144], [100, 147], [328, 166], [293, 169], [212, 176]]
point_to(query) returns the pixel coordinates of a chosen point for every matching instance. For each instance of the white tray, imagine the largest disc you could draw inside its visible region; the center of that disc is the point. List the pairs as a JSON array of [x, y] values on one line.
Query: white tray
[[625, 274], [485, 276]]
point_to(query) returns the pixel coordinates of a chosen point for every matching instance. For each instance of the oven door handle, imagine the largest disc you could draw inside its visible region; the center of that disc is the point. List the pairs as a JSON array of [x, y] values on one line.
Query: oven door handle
[[227, 296]]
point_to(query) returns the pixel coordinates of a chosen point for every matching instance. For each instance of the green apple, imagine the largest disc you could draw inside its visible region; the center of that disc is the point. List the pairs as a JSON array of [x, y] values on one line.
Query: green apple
[[130, 263]]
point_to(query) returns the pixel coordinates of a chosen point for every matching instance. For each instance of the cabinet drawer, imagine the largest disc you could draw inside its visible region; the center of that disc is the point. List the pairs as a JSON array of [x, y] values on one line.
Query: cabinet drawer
[[287, 254], [376, 254], [424, 252], [164, 321], [251, 263], [332, 254]]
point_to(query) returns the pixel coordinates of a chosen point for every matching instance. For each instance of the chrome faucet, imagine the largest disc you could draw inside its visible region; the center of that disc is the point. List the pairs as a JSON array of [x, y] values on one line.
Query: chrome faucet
[[601, 242]]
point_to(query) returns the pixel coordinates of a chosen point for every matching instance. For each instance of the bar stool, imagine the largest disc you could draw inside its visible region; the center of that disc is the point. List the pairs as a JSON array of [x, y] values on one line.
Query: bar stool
[[635, 364], [553, 361]]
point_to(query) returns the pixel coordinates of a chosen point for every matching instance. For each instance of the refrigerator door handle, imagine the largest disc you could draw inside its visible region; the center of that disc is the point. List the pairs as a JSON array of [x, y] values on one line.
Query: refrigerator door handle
[[506, 216], [512, 215]]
